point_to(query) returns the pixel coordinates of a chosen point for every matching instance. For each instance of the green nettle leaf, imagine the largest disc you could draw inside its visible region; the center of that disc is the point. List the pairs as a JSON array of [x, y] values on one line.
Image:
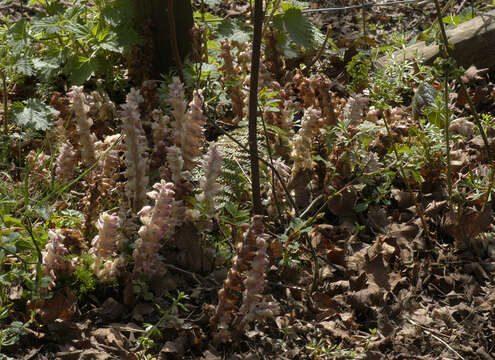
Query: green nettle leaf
[[212, 3], [83, 73], [34, 114], [47, 24], [80, 31], [299, 28], [18, 30], [118, 12], [233, 30], [23, 66], [127, 37], [294, 4], [45, 65], [80, 69]]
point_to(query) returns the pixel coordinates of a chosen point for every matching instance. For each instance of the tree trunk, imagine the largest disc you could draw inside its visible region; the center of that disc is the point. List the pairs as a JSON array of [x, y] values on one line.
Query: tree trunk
[[152, 20]]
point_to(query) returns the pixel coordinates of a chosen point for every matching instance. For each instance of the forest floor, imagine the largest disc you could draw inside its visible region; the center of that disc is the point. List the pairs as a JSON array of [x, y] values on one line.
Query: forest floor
[[397, 260]]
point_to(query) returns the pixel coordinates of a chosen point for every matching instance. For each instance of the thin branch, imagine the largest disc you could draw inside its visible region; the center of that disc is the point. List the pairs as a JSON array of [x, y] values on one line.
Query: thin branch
[[429, 332], [322, 49], [253, 107], [5, 102], [269, 150], [448, 51], [277, 174]]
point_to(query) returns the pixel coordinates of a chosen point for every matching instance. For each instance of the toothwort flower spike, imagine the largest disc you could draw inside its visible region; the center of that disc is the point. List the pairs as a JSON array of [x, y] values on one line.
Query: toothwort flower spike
[[158, 224], [213, 168], [84, 122], [136, 157]]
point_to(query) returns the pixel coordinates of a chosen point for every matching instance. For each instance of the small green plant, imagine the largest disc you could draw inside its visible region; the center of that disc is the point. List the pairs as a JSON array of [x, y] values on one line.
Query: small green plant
[[154, 331], [358, 69], [487, 120], [84, 276], [322, 349]]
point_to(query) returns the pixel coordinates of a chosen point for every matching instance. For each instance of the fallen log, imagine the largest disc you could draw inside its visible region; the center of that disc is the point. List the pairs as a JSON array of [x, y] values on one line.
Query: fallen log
[[473, 44]]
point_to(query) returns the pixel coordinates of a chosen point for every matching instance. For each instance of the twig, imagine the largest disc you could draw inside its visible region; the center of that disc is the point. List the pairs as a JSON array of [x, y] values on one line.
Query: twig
[[275, 171], [5, 102], [429, 332], [447, 135], [312, 206], [335, 9], [448, 51], [322, 49], [269, 150], [194, 276], [363, 5], [278, 284], [253, 107]]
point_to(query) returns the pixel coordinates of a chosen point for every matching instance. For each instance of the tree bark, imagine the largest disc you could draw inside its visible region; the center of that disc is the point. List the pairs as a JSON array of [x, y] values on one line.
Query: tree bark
[[155, 14]]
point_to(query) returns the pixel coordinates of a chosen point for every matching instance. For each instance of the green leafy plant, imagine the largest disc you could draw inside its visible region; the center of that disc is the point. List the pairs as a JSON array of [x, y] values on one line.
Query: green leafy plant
[[358, 69], [83, 39], [154, 331], [85, 280], [323, 349], [32, 114]]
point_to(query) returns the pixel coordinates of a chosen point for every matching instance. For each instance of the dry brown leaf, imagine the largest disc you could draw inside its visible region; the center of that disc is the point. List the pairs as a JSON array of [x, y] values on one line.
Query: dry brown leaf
[[343, 204], [109, 336], [404, 199], [473, 74], [467, 225], [61, 306], [323, 301], [111, 309]]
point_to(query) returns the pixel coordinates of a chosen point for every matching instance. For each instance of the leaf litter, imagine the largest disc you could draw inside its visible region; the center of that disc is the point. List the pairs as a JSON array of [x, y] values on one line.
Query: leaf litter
[[387, 292]]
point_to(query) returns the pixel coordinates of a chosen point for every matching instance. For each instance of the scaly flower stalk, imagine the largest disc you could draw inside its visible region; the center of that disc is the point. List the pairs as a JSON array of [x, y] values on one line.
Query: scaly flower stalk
[[53, 260], [213, 168], [84, 122], [105, 245], [37, 166], [353, 111], [135, 152], [301, 145], [175, 164], [191, 132], [65, 163], [231, 76], [158, 224], [253, 306], [178, 102]]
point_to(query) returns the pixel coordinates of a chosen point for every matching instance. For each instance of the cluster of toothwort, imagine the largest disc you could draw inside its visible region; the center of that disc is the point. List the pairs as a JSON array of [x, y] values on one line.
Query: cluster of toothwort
[[247, 273], [178, 136]]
